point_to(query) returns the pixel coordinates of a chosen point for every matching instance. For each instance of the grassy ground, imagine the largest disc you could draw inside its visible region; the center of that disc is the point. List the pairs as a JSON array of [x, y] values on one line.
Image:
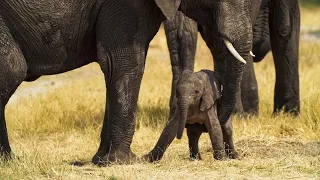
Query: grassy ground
[[310, 18], [54, 129]]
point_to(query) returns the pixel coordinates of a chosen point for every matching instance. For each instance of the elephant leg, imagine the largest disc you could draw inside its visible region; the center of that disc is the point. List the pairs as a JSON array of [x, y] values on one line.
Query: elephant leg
[[5, 149], [181, 36], [194, 132], [227, 131], [284, 21], [122, 46], [13, 71], [215, 133], [123, 85], [166, 137], [249, 90]]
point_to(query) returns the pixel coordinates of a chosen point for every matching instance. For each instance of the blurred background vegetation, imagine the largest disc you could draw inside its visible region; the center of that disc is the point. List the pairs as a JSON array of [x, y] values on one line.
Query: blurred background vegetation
[[309, 2]]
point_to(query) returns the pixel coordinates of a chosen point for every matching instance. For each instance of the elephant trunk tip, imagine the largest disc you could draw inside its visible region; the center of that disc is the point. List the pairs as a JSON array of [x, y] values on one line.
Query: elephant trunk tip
[[182, 124]]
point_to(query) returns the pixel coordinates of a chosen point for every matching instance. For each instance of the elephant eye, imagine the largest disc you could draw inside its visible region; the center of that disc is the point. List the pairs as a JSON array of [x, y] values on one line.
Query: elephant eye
[[197, 91]]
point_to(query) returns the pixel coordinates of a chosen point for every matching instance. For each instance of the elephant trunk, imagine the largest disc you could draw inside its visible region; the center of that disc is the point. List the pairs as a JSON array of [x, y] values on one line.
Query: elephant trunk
[[231, 81], [183, 108], [236, 34]]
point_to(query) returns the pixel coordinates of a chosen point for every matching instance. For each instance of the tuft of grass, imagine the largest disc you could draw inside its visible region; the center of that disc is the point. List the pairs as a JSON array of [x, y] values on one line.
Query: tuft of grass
[[55, 134], [113, 178]]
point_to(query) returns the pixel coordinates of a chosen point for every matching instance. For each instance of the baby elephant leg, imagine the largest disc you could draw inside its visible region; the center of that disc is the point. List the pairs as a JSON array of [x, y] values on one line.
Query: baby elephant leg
[[227, 131], [194, 132], [215, 133]]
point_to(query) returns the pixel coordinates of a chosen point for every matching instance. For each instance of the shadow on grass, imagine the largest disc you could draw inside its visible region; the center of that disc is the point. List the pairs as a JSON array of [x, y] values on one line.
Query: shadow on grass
[[80, 163]]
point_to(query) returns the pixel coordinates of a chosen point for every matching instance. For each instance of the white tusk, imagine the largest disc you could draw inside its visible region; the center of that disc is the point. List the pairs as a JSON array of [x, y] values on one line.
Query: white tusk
[[251, 53], [234, 51]]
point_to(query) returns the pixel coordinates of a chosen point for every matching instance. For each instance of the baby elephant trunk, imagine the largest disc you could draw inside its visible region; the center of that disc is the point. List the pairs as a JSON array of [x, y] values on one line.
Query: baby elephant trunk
[[183, 108]]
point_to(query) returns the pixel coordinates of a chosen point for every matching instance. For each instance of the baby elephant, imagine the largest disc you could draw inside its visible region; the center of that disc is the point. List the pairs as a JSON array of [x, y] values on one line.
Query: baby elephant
[[198, 95]]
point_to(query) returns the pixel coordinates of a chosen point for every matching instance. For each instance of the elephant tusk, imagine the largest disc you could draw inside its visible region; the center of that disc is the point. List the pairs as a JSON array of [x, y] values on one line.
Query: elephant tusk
[[251, 53], [234, 51]]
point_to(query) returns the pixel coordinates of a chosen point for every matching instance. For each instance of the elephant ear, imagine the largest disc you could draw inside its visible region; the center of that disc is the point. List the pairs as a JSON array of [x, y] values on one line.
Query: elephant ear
[[186, 71], [207, 96], [216, 85], [168, 7]]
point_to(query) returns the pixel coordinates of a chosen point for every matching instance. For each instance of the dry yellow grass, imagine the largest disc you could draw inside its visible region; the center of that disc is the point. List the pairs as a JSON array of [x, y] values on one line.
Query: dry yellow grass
[[311, 17], [52, 130]]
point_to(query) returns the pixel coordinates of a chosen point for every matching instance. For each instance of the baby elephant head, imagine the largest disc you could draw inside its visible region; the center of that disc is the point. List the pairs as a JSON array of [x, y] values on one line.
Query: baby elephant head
[[198, 90]]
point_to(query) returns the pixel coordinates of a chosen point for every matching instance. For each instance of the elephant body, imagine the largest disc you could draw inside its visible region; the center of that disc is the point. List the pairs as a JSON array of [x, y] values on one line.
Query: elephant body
[[44, 37], [203, 99], [49, 37], [275, 26]]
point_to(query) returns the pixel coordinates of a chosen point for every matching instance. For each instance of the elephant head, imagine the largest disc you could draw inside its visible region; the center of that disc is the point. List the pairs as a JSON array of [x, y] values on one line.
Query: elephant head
[[230, 21], [196, 90]]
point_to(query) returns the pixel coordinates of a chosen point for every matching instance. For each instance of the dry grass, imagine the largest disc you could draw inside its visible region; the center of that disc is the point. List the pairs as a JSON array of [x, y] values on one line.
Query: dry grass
[[52, 130], [310, 17]]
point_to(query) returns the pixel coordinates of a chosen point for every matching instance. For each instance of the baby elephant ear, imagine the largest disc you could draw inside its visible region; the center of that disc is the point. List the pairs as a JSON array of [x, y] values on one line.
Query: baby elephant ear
[[186, 71], [168, 7], [207, 96], [216, 85]]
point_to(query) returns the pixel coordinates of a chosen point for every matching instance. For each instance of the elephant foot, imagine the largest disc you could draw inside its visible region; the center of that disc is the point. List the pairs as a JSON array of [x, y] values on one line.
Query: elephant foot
[[5, 155], [250, 111], [219, 155], [293, 112], [98, 157], [115, 157], [195, 156], [232, 154], [153, 156]]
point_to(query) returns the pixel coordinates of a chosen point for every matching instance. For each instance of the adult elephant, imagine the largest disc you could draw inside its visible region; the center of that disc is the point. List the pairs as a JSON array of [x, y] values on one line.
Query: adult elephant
[[53, 36], [275, 25]]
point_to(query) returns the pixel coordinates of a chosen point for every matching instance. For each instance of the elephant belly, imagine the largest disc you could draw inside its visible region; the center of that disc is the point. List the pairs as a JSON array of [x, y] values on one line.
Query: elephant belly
[[196, 116], [55, 36], [197, 127]]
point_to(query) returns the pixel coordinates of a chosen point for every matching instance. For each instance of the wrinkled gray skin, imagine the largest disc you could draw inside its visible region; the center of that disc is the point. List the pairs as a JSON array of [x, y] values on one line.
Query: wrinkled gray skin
[[276, 26], [198, 95], [54, 36], [273, 23]]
